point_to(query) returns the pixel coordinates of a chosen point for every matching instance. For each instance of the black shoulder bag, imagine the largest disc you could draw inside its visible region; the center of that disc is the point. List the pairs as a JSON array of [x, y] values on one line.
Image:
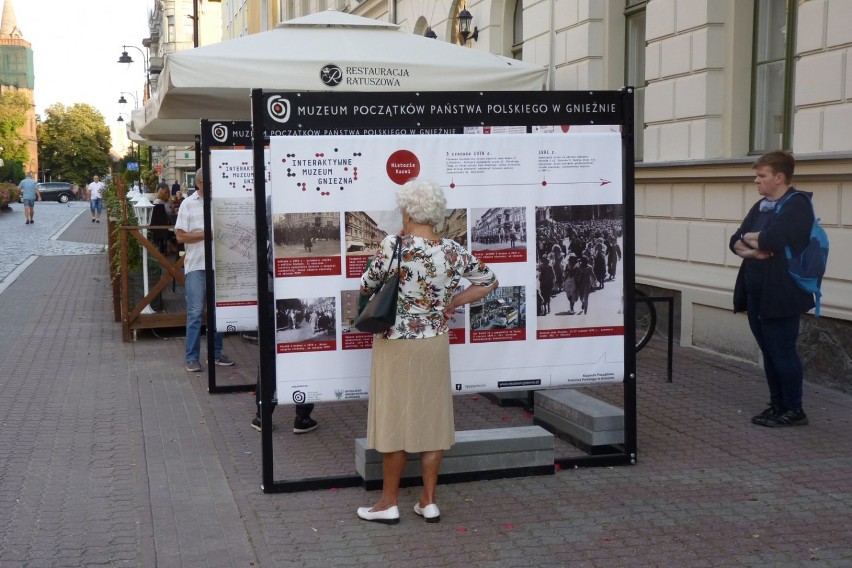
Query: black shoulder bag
[[380, 312]]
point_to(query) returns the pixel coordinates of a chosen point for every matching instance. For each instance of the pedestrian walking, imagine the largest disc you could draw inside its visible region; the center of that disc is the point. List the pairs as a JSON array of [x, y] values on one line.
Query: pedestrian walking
[[95, 191], [29, 195]]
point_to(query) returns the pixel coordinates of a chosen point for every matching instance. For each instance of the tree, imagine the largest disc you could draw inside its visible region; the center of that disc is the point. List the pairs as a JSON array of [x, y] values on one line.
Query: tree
[[12, 171], [14, 106], [74, 143]]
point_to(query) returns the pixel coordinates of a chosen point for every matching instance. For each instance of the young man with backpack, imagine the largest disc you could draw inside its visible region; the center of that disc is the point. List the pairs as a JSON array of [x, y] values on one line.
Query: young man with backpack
[[766, 291]]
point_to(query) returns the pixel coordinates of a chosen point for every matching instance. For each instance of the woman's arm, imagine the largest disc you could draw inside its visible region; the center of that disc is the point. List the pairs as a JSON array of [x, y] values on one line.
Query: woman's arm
[[468, 295]]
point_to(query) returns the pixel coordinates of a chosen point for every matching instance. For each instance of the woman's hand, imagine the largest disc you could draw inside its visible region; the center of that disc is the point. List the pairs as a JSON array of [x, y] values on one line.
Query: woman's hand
[[450, 310]]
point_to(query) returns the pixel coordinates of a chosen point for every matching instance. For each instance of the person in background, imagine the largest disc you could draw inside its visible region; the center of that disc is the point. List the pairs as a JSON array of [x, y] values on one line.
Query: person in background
[[765, 290], [94, 193], [175, 188], [411, 407], [29, 195], [176, 200], [163, 197], [189, 230]]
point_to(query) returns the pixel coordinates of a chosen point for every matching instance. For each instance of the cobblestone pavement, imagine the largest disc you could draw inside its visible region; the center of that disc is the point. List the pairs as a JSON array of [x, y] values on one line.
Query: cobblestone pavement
[[20, 243], [112, 455]]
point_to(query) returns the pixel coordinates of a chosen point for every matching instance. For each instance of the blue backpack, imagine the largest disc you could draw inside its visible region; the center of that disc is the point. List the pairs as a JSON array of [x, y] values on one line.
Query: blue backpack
[[808, 268]]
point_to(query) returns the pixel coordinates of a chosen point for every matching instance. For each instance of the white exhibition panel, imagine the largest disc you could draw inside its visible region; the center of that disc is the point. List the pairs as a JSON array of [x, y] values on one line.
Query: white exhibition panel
[[323, 182], [234, 243]]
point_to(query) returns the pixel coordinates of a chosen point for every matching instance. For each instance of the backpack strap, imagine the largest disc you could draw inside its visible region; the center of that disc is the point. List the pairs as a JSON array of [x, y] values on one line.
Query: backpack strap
[[787, 197]]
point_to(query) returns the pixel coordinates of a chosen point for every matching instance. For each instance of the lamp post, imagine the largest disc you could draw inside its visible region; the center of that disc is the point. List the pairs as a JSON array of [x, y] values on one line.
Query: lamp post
[[123, 101], [125, 58], [120, 118], [143, 209]]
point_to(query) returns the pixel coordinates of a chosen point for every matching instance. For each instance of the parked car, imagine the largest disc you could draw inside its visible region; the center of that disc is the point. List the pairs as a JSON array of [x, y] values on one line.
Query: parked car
[[60, 191]]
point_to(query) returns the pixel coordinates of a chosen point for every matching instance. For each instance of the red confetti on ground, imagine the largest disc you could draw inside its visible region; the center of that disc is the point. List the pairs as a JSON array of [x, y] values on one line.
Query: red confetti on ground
[[506, 418], [557, 467], [474, 398], [461, 529], [333, 489], [508, 526]]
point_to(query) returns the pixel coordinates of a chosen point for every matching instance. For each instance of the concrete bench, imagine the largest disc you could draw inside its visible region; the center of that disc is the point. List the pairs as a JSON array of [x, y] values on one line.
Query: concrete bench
[[580, 417], [474, 451]]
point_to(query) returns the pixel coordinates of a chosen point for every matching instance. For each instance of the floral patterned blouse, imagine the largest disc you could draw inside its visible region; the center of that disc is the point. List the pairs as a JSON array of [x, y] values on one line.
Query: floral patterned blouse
[[431, 270]]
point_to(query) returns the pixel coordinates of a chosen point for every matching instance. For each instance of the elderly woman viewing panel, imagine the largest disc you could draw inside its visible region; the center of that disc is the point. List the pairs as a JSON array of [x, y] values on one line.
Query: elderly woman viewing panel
[[411, 406]]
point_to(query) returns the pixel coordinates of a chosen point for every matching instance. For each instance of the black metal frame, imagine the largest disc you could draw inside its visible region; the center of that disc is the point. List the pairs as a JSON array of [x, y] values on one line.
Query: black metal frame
[[466, 108], [669, 300], [203, 145]]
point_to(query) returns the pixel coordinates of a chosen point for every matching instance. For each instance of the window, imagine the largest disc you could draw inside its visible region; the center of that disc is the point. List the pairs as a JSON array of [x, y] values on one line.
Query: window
[[772, 81], [518, 30], [634, 67], [171, 38]]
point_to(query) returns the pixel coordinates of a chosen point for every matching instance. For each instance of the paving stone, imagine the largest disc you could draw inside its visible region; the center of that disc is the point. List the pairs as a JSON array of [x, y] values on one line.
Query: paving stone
[[111, 455]]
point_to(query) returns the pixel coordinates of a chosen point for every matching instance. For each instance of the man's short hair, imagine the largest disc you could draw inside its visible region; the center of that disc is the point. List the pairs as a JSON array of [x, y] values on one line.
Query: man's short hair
[[199, 174], [780, 161]]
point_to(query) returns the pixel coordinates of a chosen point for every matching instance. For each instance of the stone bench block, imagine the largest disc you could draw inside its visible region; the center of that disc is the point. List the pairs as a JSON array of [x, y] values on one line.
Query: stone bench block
[[474, 451], [582, 417]]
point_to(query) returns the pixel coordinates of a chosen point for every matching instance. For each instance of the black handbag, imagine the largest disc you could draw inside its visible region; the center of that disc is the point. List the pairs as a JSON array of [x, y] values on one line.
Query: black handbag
[[380, 312]]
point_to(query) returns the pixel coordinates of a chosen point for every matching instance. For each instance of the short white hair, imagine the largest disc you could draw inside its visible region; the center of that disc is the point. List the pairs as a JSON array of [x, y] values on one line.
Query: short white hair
[[423, 200]]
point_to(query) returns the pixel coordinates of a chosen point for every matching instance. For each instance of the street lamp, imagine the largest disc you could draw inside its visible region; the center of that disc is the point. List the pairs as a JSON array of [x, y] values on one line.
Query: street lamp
[[125, 58], [123, 101], [143, 209]]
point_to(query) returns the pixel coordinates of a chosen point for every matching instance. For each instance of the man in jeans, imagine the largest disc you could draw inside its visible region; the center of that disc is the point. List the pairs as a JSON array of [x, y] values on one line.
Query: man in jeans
[[189, 230], [96, 204]]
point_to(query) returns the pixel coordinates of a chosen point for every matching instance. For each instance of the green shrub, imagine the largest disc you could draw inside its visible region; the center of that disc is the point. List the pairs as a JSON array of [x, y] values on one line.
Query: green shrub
[[9, 193]]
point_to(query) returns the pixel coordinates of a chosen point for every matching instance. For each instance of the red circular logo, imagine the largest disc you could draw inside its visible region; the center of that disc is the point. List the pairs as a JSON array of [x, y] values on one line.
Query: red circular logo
[[402, 166]]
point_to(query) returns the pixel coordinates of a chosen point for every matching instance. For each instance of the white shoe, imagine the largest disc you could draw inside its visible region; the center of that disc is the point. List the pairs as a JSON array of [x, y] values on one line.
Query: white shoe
[[430, 512], [389, 516]]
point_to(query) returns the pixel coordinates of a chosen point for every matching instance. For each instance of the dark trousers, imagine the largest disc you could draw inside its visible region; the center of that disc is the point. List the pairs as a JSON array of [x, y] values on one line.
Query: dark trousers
[[776, 338]]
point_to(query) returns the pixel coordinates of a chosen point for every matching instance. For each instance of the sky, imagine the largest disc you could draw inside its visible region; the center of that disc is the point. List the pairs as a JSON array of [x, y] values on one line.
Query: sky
[[76, 46]]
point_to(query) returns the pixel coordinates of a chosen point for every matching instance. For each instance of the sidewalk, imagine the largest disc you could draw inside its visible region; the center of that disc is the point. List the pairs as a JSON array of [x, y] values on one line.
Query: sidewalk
[[112, 455]]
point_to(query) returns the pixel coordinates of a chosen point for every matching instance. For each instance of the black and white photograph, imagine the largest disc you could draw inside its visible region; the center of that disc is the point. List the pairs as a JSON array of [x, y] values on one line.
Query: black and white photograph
[[301, 235], [499, 234], [578, 266], [304, 319]]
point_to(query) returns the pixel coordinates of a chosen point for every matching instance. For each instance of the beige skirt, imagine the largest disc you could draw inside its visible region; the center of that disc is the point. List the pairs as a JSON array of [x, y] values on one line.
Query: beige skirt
[[411, 404]]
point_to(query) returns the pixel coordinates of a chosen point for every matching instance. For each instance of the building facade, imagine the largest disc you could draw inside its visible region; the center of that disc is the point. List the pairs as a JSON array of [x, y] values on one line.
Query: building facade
[[172, 28], [717, 83], [17, 74]]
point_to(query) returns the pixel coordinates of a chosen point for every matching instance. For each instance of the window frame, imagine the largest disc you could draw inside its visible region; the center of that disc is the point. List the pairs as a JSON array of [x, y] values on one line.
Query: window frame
[[789, 69], [633, 8]]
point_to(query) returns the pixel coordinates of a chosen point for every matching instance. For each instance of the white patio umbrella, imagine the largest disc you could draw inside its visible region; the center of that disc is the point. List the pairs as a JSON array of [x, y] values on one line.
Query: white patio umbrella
[[214, 81]]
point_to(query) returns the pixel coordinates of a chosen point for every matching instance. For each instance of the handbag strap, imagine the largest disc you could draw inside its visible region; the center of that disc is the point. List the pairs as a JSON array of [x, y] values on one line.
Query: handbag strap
[[397, 255]]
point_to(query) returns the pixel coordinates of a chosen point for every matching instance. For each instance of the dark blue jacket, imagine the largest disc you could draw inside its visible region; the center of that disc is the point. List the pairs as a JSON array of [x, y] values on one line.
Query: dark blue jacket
[[779, 296]]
